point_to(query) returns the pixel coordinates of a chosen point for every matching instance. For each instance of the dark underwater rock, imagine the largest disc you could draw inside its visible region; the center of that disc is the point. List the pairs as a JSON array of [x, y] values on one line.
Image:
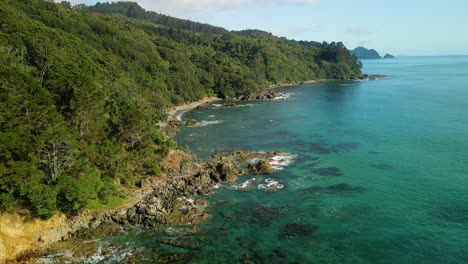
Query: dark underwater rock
[[267, 214], [328, 171], [296, 230], [319, 148], [173, 257], [345, 147], [333, 189]]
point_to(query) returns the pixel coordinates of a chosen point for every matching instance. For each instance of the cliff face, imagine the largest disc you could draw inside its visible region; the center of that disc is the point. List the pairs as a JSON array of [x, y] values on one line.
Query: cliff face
[[19, 234]]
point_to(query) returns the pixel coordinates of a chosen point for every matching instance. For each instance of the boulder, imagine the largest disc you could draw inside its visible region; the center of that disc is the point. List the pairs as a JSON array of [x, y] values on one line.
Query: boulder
[[225, 172], [261, 167], [229, 105], [191, 122], [203, 106], [175, 122]]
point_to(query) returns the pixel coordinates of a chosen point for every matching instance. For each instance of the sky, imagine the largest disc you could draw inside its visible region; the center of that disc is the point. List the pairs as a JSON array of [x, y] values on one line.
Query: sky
[[399, 27]]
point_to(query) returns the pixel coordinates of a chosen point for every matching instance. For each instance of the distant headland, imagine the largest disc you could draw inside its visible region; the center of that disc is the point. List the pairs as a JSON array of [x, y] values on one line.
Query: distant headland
[[369, 54]]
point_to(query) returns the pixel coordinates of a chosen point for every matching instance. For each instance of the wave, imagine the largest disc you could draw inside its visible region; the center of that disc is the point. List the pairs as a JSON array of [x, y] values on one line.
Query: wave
[[245, 105], [190, 203], [284, 96], [282, 160], [245, 185], [270, 185], [205, 123], [104, 253]]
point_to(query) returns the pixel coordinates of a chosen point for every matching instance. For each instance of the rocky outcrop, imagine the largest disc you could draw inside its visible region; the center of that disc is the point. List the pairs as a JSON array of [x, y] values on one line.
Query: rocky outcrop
[[173, 199], [229, 105], [266, 95], [261, 167], [203, 106], [170, 202], [191, 123], [372, 77], [174, 122]]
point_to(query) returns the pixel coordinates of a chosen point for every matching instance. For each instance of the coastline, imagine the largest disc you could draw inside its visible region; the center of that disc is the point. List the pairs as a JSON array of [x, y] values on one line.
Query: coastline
[[280, 85], [177, 112], [71, 226]]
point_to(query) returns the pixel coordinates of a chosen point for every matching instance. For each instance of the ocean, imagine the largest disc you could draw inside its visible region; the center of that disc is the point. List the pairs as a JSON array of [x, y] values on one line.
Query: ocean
[[379, 173]]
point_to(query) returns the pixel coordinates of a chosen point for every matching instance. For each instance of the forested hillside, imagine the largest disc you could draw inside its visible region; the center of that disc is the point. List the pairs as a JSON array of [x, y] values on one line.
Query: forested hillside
[[82, 90]]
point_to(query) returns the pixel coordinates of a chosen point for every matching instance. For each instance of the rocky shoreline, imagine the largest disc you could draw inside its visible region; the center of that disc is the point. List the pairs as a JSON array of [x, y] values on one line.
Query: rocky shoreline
[[175, 200]]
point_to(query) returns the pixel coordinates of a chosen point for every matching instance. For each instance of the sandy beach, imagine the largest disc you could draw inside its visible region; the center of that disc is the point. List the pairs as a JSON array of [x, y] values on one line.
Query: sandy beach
[[178, 111]]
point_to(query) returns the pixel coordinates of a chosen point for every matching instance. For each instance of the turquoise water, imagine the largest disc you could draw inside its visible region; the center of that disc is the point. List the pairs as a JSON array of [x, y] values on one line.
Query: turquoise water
[[395, 184]]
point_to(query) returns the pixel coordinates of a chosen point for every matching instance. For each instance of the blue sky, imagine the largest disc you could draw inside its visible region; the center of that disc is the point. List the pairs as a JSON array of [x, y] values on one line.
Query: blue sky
[[400, 27]]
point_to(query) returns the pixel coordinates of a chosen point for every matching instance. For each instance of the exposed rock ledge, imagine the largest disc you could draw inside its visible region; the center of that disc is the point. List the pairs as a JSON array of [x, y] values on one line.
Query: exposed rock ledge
[[174, 199]]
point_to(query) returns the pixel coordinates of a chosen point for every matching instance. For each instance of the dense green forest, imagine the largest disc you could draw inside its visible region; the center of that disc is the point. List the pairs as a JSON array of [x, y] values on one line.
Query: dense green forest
[[83, 88]]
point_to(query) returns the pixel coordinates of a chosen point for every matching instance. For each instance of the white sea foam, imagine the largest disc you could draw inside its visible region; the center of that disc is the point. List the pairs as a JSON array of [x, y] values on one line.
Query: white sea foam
[[284, 96], [245, 185], [282, 160], [211, 116], [270, 185], [205, 123], [245, 105], [218, 105], [191, 203], [254, 161], [179, 116], [110, 254], [185, 199]]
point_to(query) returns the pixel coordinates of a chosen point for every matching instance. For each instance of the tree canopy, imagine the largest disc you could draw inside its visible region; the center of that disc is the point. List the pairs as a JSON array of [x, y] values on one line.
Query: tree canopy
[[82, 90]]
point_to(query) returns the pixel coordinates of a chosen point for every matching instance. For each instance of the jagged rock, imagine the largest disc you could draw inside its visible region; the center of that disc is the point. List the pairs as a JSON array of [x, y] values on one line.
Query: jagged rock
[[148, 182], [225, 172], [191, 123], [261, 167], [174, 122], [200, 202], [229, 105], [183, 177], [107, 228]]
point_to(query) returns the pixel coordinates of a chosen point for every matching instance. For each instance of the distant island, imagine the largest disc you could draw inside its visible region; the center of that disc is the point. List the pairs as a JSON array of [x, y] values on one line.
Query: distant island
[[369, 54]]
